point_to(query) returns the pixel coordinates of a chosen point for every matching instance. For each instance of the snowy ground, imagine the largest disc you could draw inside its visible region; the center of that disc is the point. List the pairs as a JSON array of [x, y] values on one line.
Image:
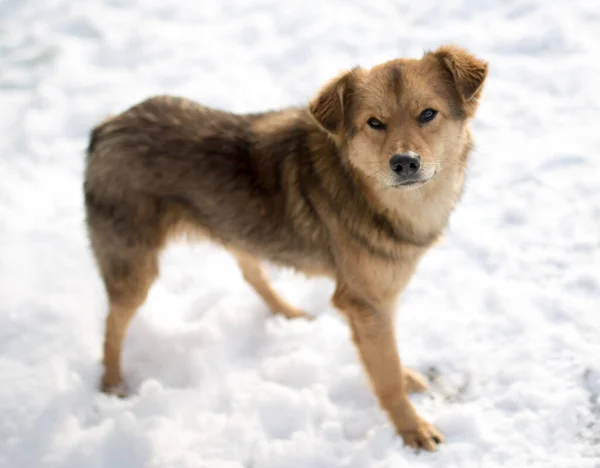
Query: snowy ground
[[505, 316]]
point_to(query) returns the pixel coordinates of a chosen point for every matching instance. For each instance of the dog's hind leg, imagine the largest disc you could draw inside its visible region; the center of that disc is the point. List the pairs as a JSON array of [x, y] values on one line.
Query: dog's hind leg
[[255, 276], [127, 283], [126, 238]]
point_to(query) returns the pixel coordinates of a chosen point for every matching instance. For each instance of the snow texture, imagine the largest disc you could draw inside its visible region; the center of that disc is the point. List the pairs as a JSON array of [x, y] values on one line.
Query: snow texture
[[504, 317]]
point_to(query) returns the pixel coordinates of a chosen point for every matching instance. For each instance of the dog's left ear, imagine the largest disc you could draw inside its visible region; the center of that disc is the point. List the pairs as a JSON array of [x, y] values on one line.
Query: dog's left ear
[[332, 102], [468, 72]]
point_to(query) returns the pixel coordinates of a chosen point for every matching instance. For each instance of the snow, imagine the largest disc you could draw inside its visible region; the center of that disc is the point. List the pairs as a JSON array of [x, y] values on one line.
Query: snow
[[504, 317]]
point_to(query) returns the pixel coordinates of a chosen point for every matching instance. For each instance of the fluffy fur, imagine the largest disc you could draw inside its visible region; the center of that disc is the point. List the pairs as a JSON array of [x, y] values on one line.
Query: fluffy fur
[[312, 188]]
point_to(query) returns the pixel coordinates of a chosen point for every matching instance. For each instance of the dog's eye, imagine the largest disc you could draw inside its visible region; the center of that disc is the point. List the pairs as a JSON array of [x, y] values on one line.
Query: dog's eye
[[376, 124], [427, 115]]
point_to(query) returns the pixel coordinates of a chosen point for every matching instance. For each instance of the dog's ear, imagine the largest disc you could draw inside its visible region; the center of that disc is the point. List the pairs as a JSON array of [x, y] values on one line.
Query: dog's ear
[[468, 72], [332, 102]]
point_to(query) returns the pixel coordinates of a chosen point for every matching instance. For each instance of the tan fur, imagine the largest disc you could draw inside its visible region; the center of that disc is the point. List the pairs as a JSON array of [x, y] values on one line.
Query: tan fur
[[311, 188]]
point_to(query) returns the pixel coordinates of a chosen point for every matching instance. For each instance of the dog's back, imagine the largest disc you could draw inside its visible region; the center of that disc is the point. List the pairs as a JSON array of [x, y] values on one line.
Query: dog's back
[[169, 165]]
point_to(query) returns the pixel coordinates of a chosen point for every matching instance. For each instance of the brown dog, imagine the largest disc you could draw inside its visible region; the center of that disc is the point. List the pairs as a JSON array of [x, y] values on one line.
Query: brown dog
[[357, 186]]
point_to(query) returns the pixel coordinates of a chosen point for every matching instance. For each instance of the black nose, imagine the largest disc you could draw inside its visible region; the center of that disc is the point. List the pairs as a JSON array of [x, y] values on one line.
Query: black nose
[[403, 164]]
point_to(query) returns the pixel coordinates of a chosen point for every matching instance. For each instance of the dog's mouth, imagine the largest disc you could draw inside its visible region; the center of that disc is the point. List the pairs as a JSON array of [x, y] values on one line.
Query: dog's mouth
[[411, 183]]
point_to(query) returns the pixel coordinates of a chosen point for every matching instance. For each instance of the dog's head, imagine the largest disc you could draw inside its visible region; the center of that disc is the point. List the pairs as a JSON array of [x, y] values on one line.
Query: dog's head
[[403, 123]]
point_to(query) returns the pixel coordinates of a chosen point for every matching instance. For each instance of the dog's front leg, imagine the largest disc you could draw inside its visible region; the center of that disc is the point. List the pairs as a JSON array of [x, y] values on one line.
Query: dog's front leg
[[373, 334]]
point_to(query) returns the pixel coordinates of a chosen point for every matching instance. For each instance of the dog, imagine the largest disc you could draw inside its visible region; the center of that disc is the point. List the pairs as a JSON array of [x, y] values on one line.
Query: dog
[[356, 186]]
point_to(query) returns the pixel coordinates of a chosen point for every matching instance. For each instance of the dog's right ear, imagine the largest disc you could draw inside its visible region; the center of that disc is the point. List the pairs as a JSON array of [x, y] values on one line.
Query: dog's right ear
[[329, 106]]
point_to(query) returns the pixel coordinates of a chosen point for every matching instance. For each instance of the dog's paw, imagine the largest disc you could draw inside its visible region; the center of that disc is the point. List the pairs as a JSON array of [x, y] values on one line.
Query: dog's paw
[[118, 390], [414, 382], [292, 314], [304, 315], [424, 436]]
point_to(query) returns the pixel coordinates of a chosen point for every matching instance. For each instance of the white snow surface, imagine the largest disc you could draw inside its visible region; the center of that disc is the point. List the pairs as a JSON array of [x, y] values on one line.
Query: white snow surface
[[504, 317]]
